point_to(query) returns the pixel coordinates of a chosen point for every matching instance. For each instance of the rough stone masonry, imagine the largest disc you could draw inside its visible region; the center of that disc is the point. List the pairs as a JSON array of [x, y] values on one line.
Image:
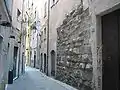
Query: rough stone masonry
[[74, 56]]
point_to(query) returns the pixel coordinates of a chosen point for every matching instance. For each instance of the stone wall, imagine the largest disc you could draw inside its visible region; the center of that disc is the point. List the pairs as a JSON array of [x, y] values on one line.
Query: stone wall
[[74, 56]]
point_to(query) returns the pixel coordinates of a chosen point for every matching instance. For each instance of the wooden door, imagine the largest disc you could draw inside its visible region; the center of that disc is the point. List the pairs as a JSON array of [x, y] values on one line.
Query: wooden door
[[110, 52]]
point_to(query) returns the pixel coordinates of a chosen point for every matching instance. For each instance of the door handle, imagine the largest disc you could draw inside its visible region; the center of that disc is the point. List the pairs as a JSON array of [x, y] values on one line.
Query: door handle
[[109, 58]]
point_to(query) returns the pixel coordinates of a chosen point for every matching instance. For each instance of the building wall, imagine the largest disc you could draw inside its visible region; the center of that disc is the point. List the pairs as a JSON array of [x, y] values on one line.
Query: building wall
[[76, 30], [99, 8], [33, 32], [30, 9], [26, 5], [33, 60], [16, 28], [17, 21], [9, 13], [74, 56], [4, 61], [19, 30], [43, 30], [96, 9], [33, 42], [57, 15], [33, 46], [33, 16], [4, 39]]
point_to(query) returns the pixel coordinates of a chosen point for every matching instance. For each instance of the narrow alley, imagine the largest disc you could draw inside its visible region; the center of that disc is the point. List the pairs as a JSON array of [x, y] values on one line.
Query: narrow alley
[[33, 79], [59, 44]]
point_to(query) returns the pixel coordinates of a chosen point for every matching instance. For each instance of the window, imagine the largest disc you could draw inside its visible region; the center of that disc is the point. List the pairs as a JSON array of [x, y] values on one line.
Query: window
[[35, 13], [45, 31], [17, 29], [41, 36], [18, 13], [32, 3], [42, 33], [53, 1]]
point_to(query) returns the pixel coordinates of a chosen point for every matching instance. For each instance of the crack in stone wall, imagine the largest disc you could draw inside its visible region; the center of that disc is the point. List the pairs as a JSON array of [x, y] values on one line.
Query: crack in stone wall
[[74, 56]]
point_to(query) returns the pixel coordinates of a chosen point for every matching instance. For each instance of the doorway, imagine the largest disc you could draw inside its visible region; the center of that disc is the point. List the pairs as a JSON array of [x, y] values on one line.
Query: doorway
[[53, 63], [22, 62], [45, 63], [15, 61], [34, 59], [41, 62], [110, 51]]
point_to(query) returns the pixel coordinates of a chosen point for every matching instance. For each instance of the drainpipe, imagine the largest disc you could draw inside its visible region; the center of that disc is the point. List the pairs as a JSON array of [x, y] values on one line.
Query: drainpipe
[[19, 60], [48, 34], [22, 36], [38, 60]]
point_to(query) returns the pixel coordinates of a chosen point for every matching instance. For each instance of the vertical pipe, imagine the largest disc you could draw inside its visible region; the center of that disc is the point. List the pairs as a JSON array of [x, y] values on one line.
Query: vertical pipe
[[48, 34], [19, 60], [38, 59]]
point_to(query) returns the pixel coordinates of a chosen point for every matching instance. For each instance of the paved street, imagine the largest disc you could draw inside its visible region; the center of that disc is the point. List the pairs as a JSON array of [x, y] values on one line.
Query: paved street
[[33, 79]]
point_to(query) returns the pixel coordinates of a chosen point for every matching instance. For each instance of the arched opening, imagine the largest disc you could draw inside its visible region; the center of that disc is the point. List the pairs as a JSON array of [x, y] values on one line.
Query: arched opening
[[53, 63], [41, 62], [45, 63]]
